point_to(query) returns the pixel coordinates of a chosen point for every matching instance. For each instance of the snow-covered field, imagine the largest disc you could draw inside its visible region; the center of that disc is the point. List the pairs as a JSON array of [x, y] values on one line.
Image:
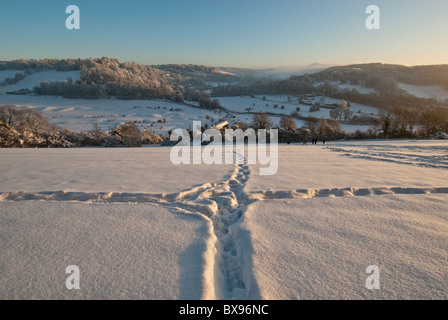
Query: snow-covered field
[[349, 86], [81, 114], [274, 105], [36, 78], [257, 104], [161, 116], [426, 92], [359, 88], [139, 227]]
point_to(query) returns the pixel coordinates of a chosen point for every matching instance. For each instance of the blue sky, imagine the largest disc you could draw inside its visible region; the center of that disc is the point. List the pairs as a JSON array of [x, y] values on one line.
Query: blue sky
[[244, 33]]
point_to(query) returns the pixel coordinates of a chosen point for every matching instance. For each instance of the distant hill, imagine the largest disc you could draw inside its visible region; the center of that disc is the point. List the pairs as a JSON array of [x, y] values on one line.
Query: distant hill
[[284, 72], [370, 75], [107, 77], [373, 84], [376, 84]]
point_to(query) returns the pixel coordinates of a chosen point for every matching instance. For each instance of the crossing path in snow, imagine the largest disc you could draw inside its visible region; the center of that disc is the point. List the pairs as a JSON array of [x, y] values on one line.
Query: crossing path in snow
[[229, 272], [229, 275]]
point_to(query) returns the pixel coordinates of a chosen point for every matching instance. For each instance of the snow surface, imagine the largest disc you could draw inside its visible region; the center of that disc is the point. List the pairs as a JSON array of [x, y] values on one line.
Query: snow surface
[[342, 86], [156, 116], [81, 114], [308, 232], [330, 212], [320, 248], [426, 92], [36, 78], [92, 169], [226, 72], [353, 164], [123, 251], [4, 74], [257, 104], [357, 87]]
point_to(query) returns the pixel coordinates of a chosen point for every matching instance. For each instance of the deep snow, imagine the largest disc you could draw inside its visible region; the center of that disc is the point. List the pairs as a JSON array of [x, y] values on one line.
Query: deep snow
[[156, 231], [123, 251]]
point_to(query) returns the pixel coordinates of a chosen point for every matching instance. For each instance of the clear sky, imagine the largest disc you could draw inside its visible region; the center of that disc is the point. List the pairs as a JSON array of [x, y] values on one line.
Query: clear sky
[[241, 33]]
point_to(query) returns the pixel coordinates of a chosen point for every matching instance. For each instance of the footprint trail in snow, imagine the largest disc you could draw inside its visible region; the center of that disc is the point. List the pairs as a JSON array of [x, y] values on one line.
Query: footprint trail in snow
[[224, 204]]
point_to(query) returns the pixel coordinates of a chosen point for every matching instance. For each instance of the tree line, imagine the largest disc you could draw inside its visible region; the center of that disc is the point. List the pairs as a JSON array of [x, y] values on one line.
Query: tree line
[[401, 122], [28, 128]]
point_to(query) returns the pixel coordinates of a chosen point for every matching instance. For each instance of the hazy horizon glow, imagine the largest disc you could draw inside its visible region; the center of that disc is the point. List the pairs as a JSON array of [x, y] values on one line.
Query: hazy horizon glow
[[245, 33]]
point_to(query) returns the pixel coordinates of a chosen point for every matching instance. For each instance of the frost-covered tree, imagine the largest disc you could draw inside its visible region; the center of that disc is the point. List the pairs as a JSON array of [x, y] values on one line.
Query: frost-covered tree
[[23, 127], [129, 134]]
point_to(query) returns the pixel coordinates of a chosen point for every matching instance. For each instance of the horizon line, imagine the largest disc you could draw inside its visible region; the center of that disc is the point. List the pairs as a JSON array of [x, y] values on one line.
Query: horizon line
[[266, 67]]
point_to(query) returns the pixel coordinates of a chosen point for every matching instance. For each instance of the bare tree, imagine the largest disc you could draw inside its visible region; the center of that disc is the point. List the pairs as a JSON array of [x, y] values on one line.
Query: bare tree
[[385, 122], [288, 123], [261, 121], [215, 104], [313, 124], [434, 120], [347, 114]]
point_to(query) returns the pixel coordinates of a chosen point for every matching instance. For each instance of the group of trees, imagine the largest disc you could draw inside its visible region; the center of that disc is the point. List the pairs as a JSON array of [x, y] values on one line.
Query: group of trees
[[288, 123], [22, 127], [324, 129], [381, 76], [396, 122], [199, 75], [289, 132], [342, 111], [379, 99], [19, 76], [401, 122], [27, 128], [103, 78], [261, 121], [106, 77]]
